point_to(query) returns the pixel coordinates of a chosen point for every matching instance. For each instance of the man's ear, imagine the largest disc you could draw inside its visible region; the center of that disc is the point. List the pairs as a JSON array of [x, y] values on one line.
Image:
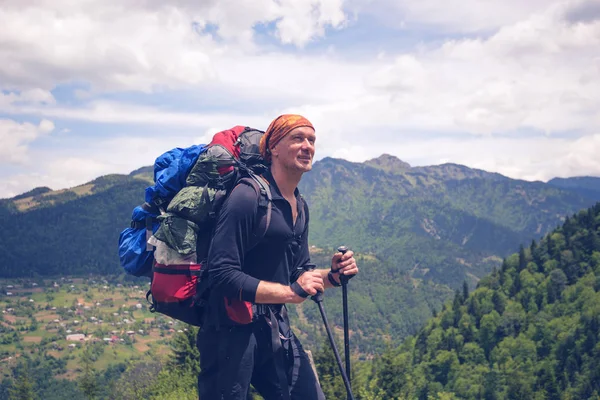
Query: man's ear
[[274, 151]]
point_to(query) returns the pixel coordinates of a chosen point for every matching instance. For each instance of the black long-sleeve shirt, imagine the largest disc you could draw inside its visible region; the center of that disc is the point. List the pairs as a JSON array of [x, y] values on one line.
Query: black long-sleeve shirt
[[235, 268]]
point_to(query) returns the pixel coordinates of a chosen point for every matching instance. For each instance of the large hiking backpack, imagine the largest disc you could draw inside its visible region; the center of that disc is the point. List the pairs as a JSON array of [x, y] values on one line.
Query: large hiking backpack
[[171, 232]]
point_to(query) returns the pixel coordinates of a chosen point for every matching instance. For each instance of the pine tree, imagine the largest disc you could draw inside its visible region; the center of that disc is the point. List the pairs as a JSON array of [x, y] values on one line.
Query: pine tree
[[328, 371], [22, 388], [504, 265], [185, 352], [522, 259], [499, 302], [465, 293], [88, 383]]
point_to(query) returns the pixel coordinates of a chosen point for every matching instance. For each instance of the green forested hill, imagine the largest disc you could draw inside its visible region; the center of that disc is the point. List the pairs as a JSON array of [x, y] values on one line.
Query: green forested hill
[[70, 232], [420, 232], [531, 329], [585, 185], [443, 223]]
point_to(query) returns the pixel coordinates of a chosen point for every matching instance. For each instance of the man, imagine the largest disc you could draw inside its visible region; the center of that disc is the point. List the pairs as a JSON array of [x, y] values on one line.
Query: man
[[264, 352]]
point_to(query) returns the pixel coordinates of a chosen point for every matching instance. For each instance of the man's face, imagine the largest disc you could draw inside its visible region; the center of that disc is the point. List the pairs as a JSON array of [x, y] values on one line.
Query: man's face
[[296, 150]]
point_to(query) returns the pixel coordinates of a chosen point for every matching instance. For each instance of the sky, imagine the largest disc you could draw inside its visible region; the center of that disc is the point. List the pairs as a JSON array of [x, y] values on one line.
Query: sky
[[94, 87]]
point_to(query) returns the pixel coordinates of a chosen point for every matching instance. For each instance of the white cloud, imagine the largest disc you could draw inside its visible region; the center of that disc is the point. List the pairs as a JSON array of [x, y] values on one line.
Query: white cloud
[[303, 20], [451, 15], [127, 113], [542, 72], [16, 137], [533, 158], [147, 45], [35, 96], [68, 166], [534, 67]]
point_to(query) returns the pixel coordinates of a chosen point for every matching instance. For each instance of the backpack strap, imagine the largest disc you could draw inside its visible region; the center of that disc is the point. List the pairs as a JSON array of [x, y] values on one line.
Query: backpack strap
[[265, 200], [265, 196], [304, 208], [279, 355]]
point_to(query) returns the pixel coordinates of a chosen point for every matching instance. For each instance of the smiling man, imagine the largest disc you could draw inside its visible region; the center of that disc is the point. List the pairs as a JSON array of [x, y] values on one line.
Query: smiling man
[[263, 351]]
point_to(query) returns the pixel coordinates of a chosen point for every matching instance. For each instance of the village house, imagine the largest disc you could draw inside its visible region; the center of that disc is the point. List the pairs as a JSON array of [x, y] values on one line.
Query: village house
[[76, 337]]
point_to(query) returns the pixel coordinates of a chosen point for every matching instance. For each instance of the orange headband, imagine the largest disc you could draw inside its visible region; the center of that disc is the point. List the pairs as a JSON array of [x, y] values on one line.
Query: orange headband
[[280, 127]]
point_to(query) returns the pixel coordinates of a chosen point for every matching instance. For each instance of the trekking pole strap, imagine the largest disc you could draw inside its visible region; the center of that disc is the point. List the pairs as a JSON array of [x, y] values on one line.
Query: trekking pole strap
[[299, 290], [332, 280]]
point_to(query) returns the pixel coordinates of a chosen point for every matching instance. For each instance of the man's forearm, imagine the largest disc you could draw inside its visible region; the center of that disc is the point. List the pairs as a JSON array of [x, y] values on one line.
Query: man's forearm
[[273, 293], [276, 293], [324, 273]]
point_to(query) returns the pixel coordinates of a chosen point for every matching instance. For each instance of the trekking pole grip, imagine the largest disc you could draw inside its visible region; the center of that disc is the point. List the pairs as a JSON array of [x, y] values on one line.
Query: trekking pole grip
[[319, 296], [343, 278]]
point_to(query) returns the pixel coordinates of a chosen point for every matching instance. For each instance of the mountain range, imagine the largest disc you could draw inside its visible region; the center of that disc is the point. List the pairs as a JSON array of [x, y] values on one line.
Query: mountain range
[[419, 232]]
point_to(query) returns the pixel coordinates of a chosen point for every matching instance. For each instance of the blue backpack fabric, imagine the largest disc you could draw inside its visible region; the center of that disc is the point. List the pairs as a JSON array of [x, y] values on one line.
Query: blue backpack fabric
[[136, 258], [170, 171]]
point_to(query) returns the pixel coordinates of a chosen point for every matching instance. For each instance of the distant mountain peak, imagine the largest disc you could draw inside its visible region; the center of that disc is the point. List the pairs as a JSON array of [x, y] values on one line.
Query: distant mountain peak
[[388, 163], [34, 192]]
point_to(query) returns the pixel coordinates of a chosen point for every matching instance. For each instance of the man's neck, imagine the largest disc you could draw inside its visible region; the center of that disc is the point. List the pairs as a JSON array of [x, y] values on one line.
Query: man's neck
[[287, 181]]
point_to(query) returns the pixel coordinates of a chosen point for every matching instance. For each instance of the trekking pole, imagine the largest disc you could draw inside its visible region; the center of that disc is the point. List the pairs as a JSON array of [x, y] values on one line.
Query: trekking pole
[[318, 298], [344, 282]]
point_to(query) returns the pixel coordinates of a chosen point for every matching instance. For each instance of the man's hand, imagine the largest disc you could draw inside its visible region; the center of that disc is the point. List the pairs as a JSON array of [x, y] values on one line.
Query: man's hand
[[311, 282], [343, 264]]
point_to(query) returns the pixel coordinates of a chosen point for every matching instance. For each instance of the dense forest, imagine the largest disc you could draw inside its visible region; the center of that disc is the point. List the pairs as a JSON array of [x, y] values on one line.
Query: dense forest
[[531, 329]]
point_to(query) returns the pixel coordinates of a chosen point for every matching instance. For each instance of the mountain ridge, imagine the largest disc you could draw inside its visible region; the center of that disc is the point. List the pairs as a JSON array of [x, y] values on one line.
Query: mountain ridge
[[418, 233], [587, 185]]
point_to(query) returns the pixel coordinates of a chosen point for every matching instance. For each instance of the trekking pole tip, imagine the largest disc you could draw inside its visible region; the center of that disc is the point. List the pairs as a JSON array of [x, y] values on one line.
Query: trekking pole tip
[[342, 249]]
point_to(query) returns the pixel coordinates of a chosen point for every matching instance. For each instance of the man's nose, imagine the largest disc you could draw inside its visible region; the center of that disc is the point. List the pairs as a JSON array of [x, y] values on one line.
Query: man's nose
[[307, 145]]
